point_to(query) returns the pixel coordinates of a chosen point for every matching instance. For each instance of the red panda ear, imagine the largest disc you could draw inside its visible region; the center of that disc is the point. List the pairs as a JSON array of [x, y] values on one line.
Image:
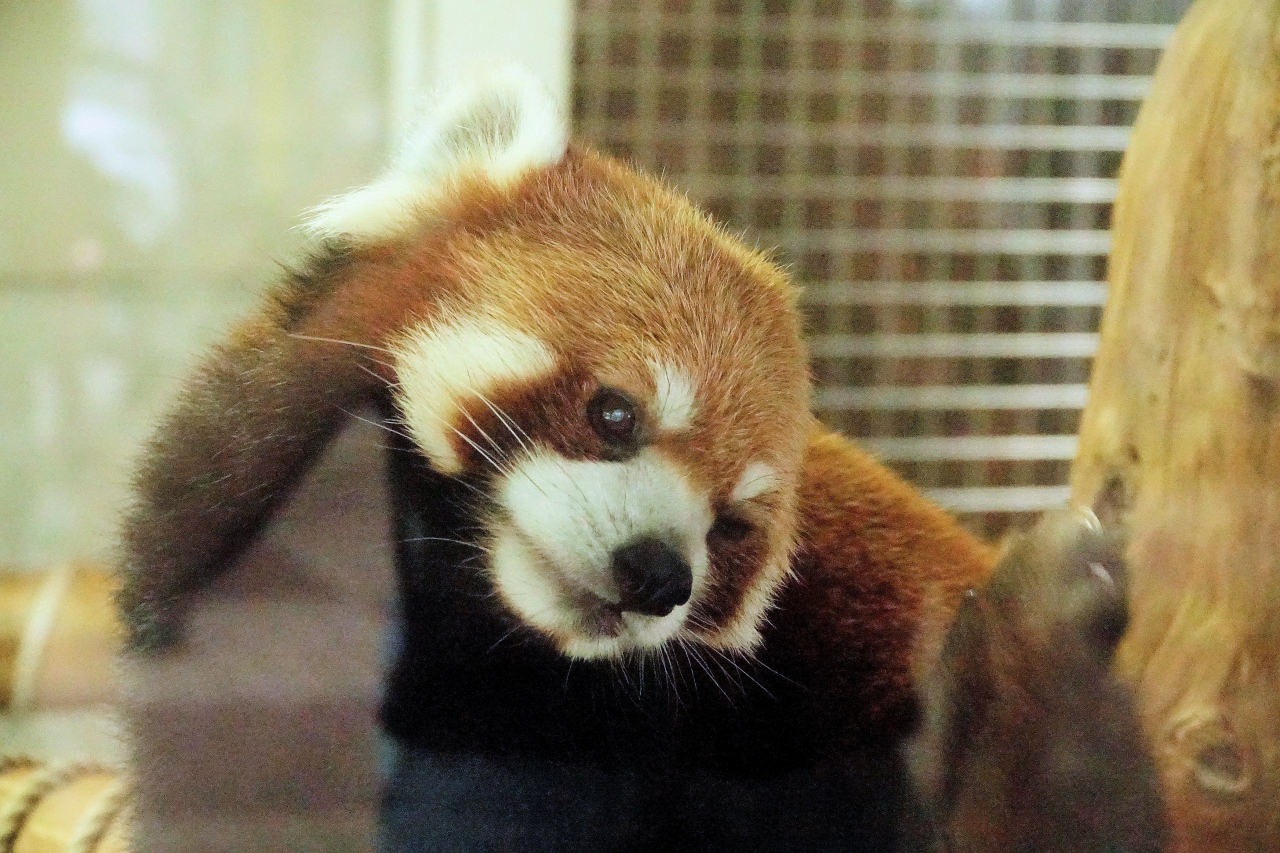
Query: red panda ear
[[269, 399], [495, 127]]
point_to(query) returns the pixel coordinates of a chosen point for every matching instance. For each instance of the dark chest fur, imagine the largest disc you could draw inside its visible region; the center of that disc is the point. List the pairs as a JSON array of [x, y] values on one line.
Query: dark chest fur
[[510, 745]]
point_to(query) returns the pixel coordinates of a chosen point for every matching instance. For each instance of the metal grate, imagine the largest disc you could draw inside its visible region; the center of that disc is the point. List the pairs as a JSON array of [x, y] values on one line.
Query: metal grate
[[938, 175]]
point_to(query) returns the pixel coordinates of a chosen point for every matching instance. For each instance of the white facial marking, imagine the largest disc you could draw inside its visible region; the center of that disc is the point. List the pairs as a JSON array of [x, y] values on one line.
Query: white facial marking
[[756, 479], [498, 126], [438, 366], [675, 398], [564, 519], [742, 634]]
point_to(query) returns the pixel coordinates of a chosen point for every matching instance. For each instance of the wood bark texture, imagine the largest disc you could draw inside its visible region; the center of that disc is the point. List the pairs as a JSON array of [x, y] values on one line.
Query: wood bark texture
[[1182, 428]]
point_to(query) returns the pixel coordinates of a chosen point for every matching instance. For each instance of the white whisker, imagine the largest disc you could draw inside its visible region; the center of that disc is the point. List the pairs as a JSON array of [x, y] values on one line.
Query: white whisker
[[500, 640], [692, 652], [339, 341], [512, 427], [374, 424], [474, 545], [476, 447], [376, 375], [497, 448]]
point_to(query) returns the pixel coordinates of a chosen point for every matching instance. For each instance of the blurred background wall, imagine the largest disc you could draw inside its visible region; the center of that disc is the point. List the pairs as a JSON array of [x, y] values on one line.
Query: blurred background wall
[[938, 175], [155, 156]]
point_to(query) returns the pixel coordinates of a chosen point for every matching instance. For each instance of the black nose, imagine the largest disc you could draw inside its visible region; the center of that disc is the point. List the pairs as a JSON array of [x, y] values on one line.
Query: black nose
[[652, 577]]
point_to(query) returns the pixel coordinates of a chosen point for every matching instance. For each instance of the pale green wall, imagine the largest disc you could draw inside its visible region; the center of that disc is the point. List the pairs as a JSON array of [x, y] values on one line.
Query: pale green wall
[[154, 158]]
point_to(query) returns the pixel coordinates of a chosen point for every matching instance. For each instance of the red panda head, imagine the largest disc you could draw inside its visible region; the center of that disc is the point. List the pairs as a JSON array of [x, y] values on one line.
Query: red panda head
[[624, 380]]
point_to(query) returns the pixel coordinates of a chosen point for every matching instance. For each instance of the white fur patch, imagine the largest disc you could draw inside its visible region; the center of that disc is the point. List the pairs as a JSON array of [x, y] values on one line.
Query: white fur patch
[[498, 126], [743, 633], [563, 521], [440, 365], [756, 479], [675, 399]]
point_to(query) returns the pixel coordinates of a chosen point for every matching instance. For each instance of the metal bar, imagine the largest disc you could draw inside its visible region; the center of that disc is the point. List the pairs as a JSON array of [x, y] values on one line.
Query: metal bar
[[1027, 34], [1013, 86], [1120, 36], [1058, 190], [955, 241], [1009, 86], [996, 137], [956, 345], [942, 212], [949, 293], [973, 448], [1000, 498], [1011, 137], [953, 397]]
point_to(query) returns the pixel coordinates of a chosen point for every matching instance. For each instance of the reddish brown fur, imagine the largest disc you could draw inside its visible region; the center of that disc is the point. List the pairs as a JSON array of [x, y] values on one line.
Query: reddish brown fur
[[876, 564], [604, 265], [578, 255]]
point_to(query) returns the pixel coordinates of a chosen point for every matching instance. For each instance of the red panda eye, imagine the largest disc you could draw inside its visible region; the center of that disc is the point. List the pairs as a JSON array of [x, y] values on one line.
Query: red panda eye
[[613, 416], [730, 527]]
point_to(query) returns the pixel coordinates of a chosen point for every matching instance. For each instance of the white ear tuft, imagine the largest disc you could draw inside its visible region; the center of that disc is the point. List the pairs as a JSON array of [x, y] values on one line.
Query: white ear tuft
[[499, 126]]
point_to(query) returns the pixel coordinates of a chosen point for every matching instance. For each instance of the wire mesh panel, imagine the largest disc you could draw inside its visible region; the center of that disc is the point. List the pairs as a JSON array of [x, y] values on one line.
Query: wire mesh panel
[[938, 175]]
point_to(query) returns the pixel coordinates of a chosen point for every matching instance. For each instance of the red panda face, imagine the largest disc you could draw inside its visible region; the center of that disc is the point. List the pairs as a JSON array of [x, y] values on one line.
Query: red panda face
[[628, 384], [623, 380]]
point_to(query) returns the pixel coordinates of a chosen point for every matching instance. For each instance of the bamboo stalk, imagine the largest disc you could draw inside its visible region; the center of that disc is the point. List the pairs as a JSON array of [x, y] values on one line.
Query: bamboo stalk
[[58, 639], [75, 808]]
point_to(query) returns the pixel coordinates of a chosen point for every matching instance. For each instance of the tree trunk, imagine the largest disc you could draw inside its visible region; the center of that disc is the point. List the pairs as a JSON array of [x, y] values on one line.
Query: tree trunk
[[1183, 421]]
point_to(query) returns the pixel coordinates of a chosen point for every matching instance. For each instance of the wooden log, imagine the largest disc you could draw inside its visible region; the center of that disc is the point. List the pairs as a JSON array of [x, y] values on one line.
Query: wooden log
[[59, 636], [1183, 421], [61, 808]]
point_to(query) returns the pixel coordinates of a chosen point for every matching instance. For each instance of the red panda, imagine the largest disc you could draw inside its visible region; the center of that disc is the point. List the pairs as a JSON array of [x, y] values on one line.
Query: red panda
[[1027, 740], [645, 602], [628, 381]]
